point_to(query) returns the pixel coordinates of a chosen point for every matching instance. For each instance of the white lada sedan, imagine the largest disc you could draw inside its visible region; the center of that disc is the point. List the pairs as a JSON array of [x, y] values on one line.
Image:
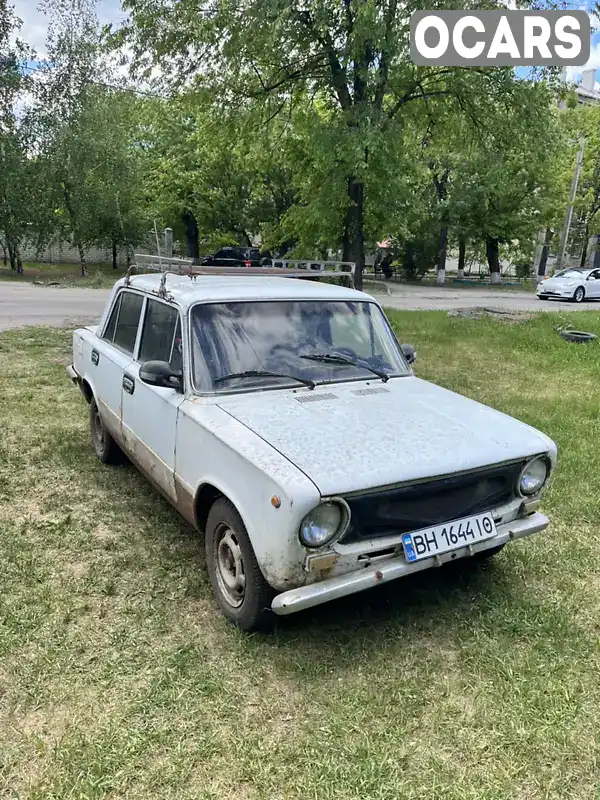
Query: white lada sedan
[[282, 418]]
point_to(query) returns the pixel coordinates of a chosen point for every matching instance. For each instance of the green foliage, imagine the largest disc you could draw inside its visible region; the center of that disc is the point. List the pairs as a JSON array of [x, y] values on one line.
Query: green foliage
[[308, 127]]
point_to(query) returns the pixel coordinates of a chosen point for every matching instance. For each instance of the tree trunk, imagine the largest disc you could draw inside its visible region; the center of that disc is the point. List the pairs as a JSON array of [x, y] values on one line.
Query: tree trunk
[[114, 253], [462, 256], [346, 242], [441, 185], [19, 262], [584, 249], [11, 254], [442, 249], [493, 259], [545, 251], [4, 258], [73, 219], [356, 236], [192, 249]]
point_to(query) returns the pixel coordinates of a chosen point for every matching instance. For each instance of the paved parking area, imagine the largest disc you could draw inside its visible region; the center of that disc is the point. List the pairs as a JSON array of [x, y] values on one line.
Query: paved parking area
[[25, 304]]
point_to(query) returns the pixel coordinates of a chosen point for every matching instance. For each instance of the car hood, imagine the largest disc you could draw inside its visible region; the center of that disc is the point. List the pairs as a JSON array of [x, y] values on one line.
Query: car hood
[[355, 436], [558, 283]]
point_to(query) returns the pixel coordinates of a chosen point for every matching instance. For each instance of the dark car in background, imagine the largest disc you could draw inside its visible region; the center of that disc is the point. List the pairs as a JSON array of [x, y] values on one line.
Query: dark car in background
[[235, 257]]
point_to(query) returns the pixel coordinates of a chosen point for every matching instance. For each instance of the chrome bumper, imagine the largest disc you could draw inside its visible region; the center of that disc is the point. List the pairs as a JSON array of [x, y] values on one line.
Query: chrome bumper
[[396, 567], [72, 374]]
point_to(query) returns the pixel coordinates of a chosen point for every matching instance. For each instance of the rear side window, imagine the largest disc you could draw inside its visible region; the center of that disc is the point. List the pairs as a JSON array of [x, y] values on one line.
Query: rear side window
[[109, 333], [123, 323], [158, 336]]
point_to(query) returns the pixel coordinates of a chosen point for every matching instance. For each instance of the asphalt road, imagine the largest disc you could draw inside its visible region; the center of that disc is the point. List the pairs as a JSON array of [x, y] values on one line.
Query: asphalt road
[[439, 298], [23, 304]]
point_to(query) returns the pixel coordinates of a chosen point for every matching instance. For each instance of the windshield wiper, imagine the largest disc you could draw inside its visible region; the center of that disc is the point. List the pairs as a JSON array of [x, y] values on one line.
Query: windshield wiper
[[336, 358], [257, 373]]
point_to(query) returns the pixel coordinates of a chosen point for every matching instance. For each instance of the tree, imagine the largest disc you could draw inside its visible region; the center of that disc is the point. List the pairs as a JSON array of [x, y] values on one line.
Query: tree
[[16, 171], [71, 68], [348, 60], [211, 176], [584, 123]]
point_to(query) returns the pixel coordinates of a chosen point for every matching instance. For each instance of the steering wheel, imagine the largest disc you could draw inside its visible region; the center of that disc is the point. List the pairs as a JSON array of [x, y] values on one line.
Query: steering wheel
[[281, 348]]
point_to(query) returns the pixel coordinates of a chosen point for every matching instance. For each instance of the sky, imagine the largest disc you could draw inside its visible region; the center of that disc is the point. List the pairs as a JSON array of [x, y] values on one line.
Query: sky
[[35, 24]]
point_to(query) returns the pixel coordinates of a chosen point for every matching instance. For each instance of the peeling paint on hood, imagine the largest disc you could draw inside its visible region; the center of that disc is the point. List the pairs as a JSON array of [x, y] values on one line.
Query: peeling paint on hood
[[408, 429]]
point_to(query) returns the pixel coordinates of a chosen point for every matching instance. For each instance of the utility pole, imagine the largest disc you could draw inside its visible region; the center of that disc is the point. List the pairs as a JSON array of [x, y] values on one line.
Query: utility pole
[[564, 234]]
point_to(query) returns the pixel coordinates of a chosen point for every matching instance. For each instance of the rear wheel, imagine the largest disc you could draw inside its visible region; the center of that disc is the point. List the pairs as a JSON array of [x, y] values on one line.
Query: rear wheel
[[579, 295], [105, 447], [240, 590]]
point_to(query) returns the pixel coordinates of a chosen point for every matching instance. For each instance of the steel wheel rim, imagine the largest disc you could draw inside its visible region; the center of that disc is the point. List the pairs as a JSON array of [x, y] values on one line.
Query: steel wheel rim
[[98, 429], [231, 574]]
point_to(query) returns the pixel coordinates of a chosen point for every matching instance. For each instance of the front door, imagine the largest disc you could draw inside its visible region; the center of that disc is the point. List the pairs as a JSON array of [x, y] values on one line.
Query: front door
[[592, 285], [149, 413]]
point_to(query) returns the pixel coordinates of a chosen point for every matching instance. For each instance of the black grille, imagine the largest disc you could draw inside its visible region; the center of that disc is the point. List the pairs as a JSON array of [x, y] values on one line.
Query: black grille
[[390, 512]]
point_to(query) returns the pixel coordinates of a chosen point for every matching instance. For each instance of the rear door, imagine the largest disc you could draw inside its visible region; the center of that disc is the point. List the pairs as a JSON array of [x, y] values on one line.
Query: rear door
[[113, 355], [149, 413]]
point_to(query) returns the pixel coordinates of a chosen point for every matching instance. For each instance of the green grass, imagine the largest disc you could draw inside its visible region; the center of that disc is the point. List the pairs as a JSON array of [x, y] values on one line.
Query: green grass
[[118, 679], [100, 276]]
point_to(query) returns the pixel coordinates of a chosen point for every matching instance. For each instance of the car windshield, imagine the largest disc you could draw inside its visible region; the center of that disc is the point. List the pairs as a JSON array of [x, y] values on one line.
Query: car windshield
[[260, 344], [568, 273]]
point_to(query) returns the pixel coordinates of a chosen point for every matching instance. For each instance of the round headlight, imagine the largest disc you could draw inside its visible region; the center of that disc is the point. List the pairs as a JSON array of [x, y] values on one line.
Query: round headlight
[[322, 524], [533, 477]]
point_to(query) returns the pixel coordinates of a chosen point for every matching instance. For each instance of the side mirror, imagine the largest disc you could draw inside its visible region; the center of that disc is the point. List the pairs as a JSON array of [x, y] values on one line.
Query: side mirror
[[409, 352], [159, 373]]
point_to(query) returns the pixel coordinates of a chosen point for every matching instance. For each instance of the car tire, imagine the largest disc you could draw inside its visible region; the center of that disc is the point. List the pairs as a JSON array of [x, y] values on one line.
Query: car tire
[[240, 590], [485, 555], [105, 447], [578, 337], [579, 294]]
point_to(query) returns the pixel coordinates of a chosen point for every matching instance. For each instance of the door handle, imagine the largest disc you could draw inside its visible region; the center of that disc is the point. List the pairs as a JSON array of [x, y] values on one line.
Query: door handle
[[95, 356], [128, 384]]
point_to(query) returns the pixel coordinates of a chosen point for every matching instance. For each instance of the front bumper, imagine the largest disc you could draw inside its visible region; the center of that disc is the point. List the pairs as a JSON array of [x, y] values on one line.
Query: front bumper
[[396, 567], [556, 294], [72, 374]]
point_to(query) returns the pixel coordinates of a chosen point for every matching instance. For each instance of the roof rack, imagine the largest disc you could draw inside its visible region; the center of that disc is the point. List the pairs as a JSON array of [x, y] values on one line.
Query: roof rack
[[281, 267]]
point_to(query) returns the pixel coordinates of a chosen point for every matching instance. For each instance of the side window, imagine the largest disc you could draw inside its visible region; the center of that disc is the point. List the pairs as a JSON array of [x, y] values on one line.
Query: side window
[[109, 333], [161, 329], [128, 320]]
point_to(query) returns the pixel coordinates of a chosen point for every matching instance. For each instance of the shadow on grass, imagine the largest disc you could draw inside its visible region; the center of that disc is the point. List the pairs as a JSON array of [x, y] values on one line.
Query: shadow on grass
[[459, 605]]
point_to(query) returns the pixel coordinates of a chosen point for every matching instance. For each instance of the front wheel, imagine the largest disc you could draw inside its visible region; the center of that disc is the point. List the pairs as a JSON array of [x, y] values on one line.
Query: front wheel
[[240, 590], [485, 555], [579, 295]]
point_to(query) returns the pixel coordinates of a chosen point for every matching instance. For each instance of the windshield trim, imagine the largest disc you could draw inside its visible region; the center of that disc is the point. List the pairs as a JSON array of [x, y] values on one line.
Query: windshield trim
[[292, 384]]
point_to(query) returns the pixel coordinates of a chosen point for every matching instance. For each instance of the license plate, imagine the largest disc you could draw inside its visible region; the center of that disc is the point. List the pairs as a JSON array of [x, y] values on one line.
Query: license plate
[[429, 542]]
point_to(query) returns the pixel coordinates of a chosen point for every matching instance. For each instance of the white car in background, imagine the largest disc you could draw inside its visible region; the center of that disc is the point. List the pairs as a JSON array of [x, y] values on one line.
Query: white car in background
[[571, 284]]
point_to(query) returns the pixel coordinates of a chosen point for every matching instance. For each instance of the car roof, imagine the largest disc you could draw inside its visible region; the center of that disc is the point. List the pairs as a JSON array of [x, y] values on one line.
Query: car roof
[[186, 291]]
